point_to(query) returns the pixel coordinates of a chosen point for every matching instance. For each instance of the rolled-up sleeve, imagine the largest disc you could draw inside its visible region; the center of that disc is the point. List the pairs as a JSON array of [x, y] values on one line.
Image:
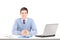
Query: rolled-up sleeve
[[15, 31], [33, 28]]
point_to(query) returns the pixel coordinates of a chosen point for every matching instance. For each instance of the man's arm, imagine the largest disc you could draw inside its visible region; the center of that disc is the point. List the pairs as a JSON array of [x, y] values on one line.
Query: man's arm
[[15, 31], [33, 28]]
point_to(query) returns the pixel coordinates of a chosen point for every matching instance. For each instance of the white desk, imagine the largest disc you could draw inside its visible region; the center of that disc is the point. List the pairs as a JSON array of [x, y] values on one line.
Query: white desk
[[15, 37]]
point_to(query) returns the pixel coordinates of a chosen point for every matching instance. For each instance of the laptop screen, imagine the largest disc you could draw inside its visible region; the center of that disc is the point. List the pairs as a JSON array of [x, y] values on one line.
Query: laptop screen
[[50, 29]]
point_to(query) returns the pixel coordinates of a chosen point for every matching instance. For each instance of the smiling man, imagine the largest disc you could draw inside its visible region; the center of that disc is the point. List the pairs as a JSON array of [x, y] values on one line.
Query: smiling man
[[24, 26]]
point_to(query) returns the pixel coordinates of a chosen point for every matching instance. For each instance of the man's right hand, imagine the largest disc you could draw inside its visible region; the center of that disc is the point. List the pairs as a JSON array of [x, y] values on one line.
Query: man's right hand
[[25, 33]]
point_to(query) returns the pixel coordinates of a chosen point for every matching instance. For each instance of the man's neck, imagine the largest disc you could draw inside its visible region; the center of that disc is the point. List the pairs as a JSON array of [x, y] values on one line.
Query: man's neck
[[24, 18]]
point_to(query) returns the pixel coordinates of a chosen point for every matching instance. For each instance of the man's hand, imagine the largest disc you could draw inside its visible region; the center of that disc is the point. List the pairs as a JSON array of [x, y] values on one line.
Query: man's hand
[[25, 33]]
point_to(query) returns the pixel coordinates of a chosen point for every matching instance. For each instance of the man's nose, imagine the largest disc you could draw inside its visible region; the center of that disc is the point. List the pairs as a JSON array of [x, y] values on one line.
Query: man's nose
[[24, 14]]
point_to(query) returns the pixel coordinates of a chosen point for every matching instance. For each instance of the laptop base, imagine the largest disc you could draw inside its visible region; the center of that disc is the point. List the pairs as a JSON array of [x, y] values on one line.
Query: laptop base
[[45, 35]]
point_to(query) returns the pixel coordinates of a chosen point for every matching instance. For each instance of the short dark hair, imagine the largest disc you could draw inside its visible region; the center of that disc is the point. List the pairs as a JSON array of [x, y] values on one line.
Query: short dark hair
[[24, 8]]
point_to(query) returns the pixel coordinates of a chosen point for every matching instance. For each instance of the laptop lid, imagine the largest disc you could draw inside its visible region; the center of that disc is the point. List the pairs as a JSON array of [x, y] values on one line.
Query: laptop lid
[[50, 29]]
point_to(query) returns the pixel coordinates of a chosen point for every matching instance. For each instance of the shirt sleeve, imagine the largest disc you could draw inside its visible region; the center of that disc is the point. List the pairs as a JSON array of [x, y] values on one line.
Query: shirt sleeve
[[15, 31], [33, 28]]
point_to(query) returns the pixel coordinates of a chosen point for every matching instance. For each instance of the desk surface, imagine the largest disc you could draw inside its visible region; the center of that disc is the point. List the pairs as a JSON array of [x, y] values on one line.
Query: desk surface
[[16, 37]]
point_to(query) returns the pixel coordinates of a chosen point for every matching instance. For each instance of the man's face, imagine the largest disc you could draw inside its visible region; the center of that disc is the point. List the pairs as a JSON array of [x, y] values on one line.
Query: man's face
[[24, 14]]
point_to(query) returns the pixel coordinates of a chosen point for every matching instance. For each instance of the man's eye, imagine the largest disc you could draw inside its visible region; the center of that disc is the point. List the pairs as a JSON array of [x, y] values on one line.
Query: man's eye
[[25, 13], [22, 13]]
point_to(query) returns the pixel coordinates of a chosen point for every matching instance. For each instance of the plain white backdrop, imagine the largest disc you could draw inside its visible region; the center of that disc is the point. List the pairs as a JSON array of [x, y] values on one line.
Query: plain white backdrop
[[42, 11]]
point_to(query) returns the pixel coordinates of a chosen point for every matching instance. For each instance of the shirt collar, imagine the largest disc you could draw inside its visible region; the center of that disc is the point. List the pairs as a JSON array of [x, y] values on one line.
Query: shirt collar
[[25, 19]]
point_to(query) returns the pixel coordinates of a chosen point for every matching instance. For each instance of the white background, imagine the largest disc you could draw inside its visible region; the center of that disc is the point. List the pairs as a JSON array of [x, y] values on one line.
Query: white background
[[42, 11]]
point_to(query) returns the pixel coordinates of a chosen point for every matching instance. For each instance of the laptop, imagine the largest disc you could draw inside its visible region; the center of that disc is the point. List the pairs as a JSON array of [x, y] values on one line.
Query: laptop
[[49, 30]]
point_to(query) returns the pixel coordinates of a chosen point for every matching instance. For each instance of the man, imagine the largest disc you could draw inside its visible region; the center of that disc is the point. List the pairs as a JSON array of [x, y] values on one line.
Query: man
[[24, 26]]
